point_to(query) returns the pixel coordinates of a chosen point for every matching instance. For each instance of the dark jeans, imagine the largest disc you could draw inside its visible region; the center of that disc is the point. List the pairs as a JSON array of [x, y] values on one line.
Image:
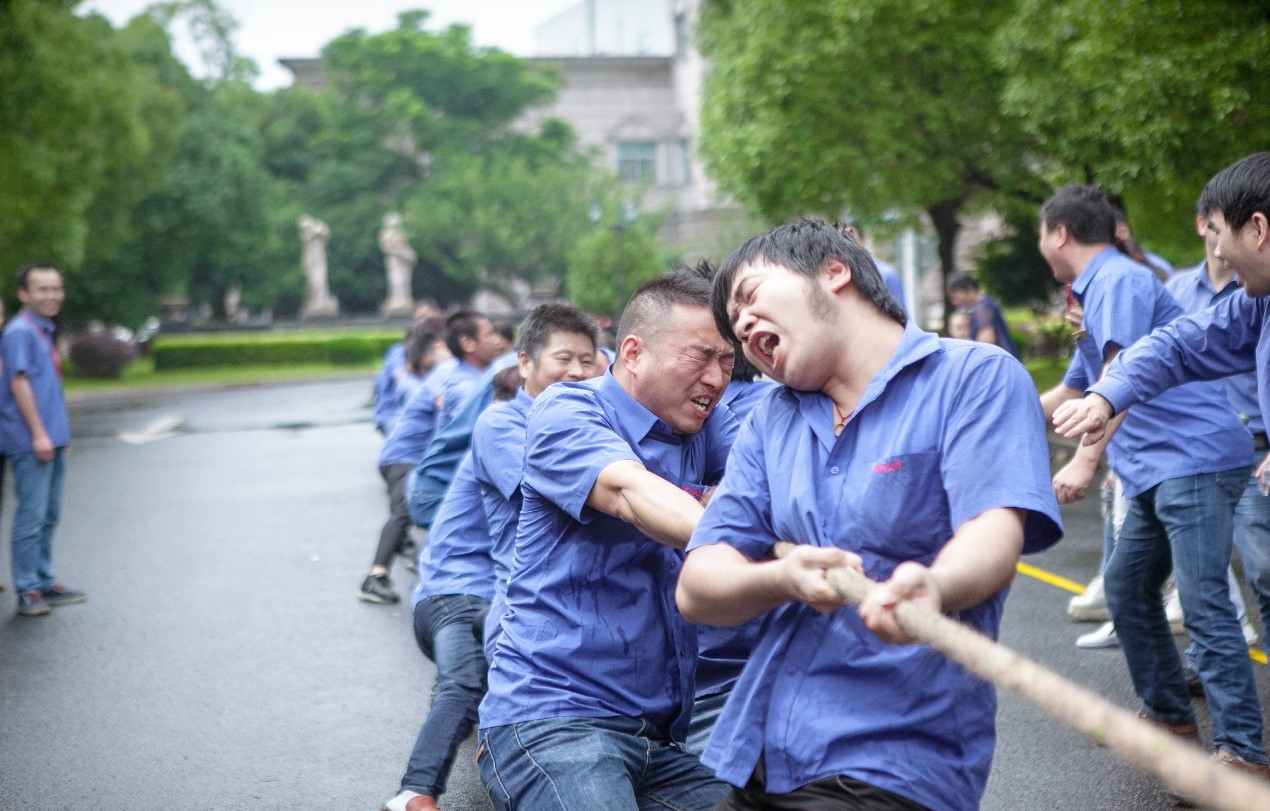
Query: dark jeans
[[608, 764], [826, 793], [396, 530], [448, 631]]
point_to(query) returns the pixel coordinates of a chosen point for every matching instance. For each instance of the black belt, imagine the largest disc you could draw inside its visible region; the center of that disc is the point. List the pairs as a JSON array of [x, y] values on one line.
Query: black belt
[[1260, 441]]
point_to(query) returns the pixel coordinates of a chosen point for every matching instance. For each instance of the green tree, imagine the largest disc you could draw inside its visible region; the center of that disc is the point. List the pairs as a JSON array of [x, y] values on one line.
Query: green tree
[[1148, 99], [618, 255], [862, 105], [84, 134]]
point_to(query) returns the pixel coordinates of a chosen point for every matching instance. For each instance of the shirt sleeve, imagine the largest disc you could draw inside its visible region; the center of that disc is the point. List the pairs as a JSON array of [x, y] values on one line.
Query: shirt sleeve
[[498, 451], [19, 348], [568, 441], [1119, 308], [722, 428], [995, 454], [1075, 377], [1209, 344], [740, 511]]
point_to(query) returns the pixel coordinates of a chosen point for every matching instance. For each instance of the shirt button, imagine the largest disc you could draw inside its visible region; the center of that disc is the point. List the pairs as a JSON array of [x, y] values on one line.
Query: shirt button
[[833, 471]]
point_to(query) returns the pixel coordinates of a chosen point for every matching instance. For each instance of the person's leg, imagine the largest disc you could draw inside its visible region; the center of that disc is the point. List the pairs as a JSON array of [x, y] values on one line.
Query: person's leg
[[396, 530], [52, 514], [676, 779], [1138, 567], [443, 629], [563, 764], [1252, 538], [705, 712], [1198, 514], [827, 792], [31, 481]]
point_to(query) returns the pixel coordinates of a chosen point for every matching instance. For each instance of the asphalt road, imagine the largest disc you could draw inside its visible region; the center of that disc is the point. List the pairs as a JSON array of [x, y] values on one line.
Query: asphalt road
[[223, 661]]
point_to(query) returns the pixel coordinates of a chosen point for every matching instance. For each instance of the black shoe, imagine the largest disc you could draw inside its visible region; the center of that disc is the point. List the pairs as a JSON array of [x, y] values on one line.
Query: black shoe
[[57, 594], [377, 588]]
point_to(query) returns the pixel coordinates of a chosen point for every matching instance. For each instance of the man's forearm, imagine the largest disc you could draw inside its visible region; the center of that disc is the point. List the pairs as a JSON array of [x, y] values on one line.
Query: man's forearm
[[24, 398], [979, 560], [631, 493]]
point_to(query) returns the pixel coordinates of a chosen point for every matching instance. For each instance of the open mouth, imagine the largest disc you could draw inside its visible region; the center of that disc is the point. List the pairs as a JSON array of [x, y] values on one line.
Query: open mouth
[[702, 404], [763, 345]]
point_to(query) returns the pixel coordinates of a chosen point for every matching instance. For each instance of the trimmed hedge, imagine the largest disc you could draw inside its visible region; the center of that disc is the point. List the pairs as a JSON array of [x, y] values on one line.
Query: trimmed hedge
[[190, 352]]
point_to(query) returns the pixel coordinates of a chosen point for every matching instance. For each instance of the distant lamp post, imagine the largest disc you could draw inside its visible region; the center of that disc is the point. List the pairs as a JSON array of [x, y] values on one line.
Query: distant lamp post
[[625, 219]]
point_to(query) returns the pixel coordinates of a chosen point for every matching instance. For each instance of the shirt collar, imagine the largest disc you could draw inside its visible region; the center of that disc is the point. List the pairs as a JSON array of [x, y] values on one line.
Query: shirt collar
[[1207, 283], [915, 345], [38, 320], [522, 400], [1097, 261], [632, 414]]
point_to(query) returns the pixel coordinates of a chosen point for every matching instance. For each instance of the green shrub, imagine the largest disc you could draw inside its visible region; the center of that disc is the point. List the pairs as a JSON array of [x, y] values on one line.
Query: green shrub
[[205, 352]]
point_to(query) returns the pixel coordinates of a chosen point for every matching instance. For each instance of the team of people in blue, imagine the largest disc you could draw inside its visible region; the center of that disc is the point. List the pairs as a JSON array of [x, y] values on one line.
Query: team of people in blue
[[599, 590]]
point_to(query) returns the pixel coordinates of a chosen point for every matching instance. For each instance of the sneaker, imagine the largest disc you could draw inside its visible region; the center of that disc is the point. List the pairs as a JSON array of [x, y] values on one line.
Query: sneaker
[[1173, 611], [1104, 637], [409, 800], [57, 594], [377, 588], [31, 604], [1237, 763], [1091, 606]]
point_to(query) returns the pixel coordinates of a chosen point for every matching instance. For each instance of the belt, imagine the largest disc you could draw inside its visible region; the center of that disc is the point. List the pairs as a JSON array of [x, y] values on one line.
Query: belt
[[1260, 441]]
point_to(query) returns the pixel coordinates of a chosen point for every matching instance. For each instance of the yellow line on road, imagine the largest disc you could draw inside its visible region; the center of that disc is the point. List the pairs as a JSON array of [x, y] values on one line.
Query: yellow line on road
[[1076, 588]]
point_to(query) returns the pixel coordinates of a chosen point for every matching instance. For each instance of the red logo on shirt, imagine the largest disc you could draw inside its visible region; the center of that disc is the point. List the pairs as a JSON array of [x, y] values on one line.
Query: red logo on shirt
[[887, 467]]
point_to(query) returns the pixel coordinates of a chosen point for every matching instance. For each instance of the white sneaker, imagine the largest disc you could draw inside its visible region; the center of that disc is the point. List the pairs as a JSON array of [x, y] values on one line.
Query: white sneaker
[[1173, 610], [1090, 606], [1104, 637], [1250, 631], [398, 803]]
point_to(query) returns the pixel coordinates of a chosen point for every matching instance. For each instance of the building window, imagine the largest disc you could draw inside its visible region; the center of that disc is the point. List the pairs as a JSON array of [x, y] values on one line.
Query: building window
[[637, 162], [685, 150]]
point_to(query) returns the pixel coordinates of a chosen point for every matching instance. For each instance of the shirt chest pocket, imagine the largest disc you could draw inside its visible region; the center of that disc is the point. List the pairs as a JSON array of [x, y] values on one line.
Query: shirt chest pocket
[[902, 513]]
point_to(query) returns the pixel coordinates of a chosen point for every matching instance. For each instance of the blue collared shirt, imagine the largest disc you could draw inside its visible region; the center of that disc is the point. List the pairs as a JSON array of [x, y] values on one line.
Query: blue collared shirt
[[387, 399], [418, 418], [458, 385], [946, 431], [498, 454], [591, 627], [741, 396], [456, 559], [1194, 292], [27, 347], [1186, 431], [1231, 337]]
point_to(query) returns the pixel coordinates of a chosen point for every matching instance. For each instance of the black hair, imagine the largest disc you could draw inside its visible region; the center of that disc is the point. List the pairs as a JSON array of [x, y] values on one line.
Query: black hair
[[1239, 191], [418, 341], [24, 272], [506, 381], [804, 246], [504, 328], [648, 306], [538, 327], [742, 369], [463, 324], [1085, 211], [962, 281]]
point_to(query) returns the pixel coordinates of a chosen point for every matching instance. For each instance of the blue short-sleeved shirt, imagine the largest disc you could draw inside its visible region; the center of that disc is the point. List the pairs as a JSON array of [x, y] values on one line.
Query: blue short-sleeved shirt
[[387, 399], [1076, 377], [892, 279], [417, 420], [985, 313], [1231, 337], [945, 432], [458, 385], [498, 454], [27, 347], [741, 396], [456, 559], [591, 628], [1185, 431], [1194, 292]]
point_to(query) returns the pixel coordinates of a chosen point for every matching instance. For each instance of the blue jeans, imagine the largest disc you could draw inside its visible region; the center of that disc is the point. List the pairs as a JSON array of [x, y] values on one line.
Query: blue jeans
[[1252, 539], [448, 631], [705, 714], [615, 764], [38, 487], [1185, 525]]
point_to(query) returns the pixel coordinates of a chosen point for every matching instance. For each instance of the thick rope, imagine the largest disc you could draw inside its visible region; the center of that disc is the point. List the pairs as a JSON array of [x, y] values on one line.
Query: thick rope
[[1183, 766]]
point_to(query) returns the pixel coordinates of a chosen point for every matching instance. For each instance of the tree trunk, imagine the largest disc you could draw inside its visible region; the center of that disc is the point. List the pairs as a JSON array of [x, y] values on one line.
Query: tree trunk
[[944, 217]]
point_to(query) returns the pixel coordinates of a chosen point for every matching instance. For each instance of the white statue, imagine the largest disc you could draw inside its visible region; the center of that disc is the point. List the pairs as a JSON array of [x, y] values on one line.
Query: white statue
[[318, 301], [399, 260], [234, 313]]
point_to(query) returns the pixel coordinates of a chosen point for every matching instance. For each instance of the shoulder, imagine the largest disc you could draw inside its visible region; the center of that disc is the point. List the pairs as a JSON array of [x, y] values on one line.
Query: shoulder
[[560, 400]]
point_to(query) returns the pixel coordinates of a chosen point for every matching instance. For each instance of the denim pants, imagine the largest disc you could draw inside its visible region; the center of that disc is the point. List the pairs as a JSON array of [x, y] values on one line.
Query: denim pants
[[448, 631], [615, 764], [396, 531], [1252, 539], [38, 489], [1185, 525], [705, 714]]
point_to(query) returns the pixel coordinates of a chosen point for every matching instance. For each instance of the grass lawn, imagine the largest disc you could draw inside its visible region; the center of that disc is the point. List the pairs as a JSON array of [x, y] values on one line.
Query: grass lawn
[[141, 375], [1046, 372]]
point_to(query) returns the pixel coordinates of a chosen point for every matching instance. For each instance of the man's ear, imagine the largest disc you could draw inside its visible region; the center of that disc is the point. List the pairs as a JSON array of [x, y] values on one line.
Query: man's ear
[[628, 353], [837, 275], [1261, 232]]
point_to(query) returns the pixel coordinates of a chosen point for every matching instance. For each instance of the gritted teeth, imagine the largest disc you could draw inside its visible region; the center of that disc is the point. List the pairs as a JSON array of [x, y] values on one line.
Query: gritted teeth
[[766, 343]]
